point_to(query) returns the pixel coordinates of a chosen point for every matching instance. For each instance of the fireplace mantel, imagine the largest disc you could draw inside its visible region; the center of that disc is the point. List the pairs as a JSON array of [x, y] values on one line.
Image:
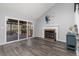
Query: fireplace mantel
[[55, 27]]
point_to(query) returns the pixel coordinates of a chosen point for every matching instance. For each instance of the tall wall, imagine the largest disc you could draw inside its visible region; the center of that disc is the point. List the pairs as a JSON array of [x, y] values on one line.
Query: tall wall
[[64, 18]]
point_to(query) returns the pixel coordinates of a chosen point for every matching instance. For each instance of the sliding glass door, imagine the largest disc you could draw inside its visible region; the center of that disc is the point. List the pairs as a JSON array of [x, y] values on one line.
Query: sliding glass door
[[22, 29], [18, 30], [12, 30]]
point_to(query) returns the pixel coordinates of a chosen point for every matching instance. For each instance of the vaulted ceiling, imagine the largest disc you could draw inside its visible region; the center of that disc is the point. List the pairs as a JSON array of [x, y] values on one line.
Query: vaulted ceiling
[[34, 10]]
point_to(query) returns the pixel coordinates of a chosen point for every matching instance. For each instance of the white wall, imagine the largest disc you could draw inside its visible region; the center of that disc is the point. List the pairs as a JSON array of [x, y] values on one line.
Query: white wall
[[64, 17], [2, 22]]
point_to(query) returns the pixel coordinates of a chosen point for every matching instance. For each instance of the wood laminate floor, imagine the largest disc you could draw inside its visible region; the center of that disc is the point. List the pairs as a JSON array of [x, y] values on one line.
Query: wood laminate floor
[[36, 47]]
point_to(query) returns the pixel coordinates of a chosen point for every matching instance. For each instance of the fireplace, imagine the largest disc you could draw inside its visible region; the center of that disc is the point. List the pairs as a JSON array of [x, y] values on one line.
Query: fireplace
[[50, 34]]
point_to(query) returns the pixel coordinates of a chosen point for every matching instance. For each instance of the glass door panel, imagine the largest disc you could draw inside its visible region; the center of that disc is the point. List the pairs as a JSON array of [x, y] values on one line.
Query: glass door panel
[[22, 29], [12, 30], [30, 29]]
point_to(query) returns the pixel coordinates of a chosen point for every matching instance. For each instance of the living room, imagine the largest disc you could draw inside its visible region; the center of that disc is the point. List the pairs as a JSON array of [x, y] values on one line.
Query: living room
[[35, 29]]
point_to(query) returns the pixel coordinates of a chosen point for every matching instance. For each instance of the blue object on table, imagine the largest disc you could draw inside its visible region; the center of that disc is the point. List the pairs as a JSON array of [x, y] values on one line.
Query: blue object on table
[[71, 41]]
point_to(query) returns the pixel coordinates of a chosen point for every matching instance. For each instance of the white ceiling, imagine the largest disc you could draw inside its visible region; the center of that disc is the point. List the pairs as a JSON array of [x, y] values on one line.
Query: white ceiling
[[34, 10]]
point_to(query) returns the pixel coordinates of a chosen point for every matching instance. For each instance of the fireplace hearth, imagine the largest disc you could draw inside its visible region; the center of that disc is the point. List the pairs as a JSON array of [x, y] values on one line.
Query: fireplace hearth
[[50, 34]]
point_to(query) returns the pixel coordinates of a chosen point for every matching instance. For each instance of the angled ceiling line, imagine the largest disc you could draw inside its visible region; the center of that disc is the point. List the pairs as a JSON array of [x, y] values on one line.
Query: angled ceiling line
[[45, 12]]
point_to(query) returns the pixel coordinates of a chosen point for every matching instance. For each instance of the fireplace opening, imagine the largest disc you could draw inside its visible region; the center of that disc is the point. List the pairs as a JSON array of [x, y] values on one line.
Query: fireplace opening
[[50, 34]]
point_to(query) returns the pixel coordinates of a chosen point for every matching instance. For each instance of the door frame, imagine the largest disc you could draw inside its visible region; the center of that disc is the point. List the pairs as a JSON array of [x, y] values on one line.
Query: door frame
[[6, 18]]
